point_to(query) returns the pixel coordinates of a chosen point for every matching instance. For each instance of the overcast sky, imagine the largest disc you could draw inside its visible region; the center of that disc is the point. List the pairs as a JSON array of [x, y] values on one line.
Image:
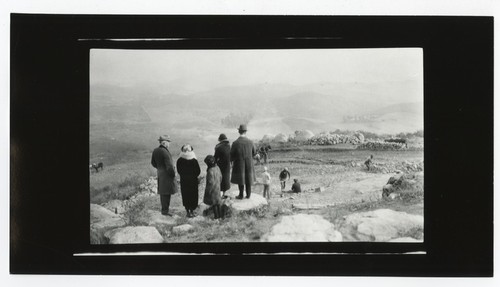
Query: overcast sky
[[207, 69]]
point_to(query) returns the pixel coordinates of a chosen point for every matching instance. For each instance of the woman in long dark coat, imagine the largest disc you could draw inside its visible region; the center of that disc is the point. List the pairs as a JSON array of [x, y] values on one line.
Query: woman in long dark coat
[[223, 160], [189, 170]]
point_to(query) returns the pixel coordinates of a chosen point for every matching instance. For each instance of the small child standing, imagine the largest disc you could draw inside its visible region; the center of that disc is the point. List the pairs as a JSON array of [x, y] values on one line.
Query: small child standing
[[266, 181], [369, 162]]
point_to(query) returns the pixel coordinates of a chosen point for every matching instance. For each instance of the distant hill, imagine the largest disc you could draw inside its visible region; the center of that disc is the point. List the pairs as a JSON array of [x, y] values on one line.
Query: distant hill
[[145, 111]]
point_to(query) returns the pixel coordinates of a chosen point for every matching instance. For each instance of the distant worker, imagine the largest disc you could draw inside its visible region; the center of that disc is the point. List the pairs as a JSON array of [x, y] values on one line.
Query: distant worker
[[162, 161], [369, 162], [266, 181], [223, 160], [296, 186], [264, 151], [284, 176], [242, 154]]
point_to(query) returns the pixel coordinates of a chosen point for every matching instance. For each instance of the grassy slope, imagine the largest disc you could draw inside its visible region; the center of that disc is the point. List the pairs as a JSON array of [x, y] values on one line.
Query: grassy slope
[[307, 164]]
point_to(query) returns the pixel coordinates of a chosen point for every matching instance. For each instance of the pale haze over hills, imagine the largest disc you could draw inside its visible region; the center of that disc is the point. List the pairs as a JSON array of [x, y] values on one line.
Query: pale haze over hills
[[189, 91]]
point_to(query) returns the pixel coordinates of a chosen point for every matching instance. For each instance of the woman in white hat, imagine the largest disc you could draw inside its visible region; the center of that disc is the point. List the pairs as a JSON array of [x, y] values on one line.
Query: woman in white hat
[[189, 170]]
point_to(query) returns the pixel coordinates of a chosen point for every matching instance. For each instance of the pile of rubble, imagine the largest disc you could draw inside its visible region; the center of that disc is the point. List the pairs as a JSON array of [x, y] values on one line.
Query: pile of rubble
[[390, 167], [379, 145], [333, 139], [401, 181], [146, 189], [150, 185]]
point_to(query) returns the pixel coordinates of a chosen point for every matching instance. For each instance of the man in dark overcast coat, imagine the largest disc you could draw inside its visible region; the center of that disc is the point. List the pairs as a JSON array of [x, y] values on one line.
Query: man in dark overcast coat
[[162, 161], [242, 153]]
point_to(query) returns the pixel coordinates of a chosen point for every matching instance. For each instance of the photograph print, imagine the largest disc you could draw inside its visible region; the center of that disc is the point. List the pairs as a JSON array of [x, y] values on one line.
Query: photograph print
[[271, 145]]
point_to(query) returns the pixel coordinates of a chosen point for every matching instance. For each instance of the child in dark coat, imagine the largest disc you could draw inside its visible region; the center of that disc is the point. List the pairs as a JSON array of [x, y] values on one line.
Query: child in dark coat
[[212, 195]]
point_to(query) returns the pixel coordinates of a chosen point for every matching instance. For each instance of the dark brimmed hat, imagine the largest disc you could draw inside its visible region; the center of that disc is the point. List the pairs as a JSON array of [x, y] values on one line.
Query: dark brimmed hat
[[164, 138], [242, 128], [222, 137]]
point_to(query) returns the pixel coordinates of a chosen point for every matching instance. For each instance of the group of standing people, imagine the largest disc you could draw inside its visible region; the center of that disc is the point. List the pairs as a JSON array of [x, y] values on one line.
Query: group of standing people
[[219, 177]]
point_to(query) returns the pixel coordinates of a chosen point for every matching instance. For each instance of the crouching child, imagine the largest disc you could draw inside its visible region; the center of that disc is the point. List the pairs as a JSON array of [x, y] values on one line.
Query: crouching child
[[212, 195], [296, 186]]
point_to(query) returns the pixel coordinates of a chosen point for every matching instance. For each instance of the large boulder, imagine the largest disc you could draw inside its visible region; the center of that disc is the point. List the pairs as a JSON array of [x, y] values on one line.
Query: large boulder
[[381, 225], [133, 235], [102, 220], [303, 228], [255, 201]]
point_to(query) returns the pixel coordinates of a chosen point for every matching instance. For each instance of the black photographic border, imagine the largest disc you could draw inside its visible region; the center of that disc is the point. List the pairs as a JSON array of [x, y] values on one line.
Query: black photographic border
[[50, 129]]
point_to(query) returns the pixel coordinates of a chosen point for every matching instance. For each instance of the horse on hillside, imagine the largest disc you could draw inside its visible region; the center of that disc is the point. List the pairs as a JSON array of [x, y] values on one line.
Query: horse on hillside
[[96, 166]]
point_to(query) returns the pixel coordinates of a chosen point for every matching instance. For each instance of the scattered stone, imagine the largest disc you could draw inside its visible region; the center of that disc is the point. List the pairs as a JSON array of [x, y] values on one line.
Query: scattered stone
[[134, 234], [331, 138], [150, 185], [115, 205], [405, 239], [156, 218], [319, 189], [379, 225], [196, 219], [380, 145], [303, 206], [394, 195], [181, 229], [303, 228], [202, 207], [104, 217]]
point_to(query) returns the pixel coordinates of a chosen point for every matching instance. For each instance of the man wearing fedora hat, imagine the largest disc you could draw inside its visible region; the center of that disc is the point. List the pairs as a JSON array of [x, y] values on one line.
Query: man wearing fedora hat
[[162, 161], [242, 153]]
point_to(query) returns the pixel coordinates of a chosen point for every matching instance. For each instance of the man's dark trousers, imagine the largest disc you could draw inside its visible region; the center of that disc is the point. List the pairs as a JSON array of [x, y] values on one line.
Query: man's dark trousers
[[165, 203]]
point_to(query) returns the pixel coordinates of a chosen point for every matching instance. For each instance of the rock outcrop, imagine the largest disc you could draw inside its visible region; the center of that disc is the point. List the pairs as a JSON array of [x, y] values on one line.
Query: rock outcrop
[[333, 139], [153, 217], [303, 228], [255, 201], [380, 145], [102, 220], [181, 229], [133, 235], [381, 225], [115, 205]]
